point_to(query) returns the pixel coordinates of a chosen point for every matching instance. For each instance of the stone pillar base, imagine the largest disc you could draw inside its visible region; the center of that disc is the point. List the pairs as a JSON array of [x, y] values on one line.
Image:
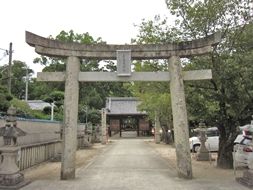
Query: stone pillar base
[[97, 139], [85, 145], [247, 179], [13, 181], [202, 156], [56, 158]]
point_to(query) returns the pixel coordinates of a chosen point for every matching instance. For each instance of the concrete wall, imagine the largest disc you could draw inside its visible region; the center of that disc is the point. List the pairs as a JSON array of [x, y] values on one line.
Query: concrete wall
[[38, 132]]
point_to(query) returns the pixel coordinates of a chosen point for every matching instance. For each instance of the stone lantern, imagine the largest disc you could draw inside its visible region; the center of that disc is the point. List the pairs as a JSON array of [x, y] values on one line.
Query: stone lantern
[[203, 154], [10, 175]]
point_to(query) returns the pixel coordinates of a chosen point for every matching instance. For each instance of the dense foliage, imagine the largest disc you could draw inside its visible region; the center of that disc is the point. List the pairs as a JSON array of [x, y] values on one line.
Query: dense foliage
[[91, 95], [226, 100], [5, 98], [22, 108]]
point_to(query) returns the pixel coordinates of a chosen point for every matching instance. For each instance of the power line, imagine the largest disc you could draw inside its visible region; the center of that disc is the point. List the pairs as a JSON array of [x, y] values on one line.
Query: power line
[[6, 51], [4, 54]]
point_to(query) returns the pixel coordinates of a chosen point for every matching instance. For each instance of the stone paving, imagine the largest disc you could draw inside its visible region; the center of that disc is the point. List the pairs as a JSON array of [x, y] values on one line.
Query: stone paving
[[129, 163]]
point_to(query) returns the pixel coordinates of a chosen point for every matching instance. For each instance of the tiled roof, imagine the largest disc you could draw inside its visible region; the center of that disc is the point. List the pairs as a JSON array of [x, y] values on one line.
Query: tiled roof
[[123, 106], [37, 104]]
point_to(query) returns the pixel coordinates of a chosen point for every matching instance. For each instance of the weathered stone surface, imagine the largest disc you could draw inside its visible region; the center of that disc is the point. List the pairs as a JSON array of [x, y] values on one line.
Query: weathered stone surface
[[157, 131], [8, 166], [103, 125], [70, 119], [11, 132], [203, 154], [15, 181], [35, 40], [247, 179], [10, 180], [49, 47], [180, 121], [135, 76], [140, 55]]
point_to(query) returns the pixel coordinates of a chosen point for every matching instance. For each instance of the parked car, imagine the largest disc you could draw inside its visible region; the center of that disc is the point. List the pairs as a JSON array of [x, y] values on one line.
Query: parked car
[[243, 153], [212, 142]]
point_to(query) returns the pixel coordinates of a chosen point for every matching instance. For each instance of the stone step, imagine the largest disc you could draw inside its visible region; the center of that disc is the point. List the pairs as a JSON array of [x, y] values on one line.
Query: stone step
[[244, 181]]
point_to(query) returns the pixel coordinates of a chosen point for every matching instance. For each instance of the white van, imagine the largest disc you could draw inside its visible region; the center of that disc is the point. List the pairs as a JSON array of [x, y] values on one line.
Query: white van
[[212, 142]]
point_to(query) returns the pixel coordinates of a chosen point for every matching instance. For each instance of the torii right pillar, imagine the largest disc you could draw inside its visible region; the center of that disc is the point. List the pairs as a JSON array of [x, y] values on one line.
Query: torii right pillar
[[180, 122]]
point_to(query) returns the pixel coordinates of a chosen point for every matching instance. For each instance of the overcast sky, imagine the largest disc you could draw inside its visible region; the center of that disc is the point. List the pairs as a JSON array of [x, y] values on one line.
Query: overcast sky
[[112, 20]]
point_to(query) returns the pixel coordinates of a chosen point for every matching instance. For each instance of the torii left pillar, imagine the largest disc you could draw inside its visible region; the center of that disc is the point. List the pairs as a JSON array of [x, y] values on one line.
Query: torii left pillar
[[70, 123]]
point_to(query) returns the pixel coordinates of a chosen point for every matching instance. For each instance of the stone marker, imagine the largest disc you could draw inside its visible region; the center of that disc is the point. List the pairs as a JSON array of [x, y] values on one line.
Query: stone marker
[[103, 125], [157, 130]]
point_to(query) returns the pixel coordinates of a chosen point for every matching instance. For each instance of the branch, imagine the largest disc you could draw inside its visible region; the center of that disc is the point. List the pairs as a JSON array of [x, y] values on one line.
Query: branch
[[202, 87]]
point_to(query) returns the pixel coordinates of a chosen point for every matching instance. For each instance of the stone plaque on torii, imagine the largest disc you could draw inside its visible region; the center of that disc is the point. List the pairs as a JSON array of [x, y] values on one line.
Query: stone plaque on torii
[[73, 52]]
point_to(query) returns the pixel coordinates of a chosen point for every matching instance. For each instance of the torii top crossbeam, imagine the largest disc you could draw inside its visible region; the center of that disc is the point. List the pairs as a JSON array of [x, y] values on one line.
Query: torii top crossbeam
[[54, 48]]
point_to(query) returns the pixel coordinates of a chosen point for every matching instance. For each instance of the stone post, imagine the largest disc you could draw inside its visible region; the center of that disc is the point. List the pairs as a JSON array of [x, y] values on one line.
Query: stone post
[[203, 154], [157, 130], [103, 126], [70, 118], [180, 122], [86, 143], [58, 153]]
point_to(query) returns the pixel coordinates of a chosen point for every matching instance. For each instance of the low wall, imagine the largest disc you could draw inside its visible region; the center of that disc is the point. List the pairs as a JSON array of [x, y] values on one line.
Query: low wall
[[41, 142], [39, 131]]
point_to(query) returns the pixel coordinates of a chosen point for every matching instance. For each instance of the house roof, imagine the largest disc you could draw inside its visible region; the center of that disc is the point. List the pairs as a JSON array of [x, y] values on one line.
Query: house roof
[[37, 104], [123, 106]]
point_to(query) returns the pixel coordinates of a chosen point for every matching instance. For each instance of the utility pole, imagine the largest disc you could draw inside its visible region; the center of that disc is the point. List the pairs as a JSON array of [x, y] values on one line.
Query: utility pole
[[86, 127], [9, 68], [52, 111], [26, 86]]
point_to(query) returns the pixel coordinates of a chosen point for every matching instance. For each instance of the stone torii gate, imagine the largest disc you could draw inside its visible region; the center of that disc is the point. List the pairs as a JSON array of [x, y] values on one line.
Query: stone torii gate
[[73, 52]]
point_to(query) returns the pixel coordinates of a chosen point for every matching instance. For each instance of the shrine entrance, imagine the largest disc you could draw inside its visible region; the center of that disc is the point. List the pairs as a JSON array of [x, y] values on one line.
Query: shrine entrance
[[73, 52], [124, 117]]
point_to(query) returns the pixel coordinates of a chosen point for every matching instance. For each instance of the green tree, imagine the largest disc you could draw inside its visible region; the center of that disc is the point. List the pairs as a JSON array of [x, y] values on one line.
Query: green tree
[[55, 98], [91, 94], [18, 77], [226, 100], [5, 98], [155, 96], [22, 108]]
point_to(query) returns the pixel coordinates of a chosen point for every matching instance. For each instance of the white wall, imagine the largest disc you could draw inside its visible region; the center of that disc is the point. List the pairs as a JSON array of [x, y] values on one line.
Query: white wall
[[38, 132]]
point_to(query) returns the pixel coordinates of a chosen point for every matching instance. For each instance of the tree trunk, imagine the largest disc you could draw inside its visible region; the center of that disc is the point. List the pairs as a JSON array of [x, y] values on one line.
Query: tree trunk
[[227, 135], [164, 136], [225, 158]]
